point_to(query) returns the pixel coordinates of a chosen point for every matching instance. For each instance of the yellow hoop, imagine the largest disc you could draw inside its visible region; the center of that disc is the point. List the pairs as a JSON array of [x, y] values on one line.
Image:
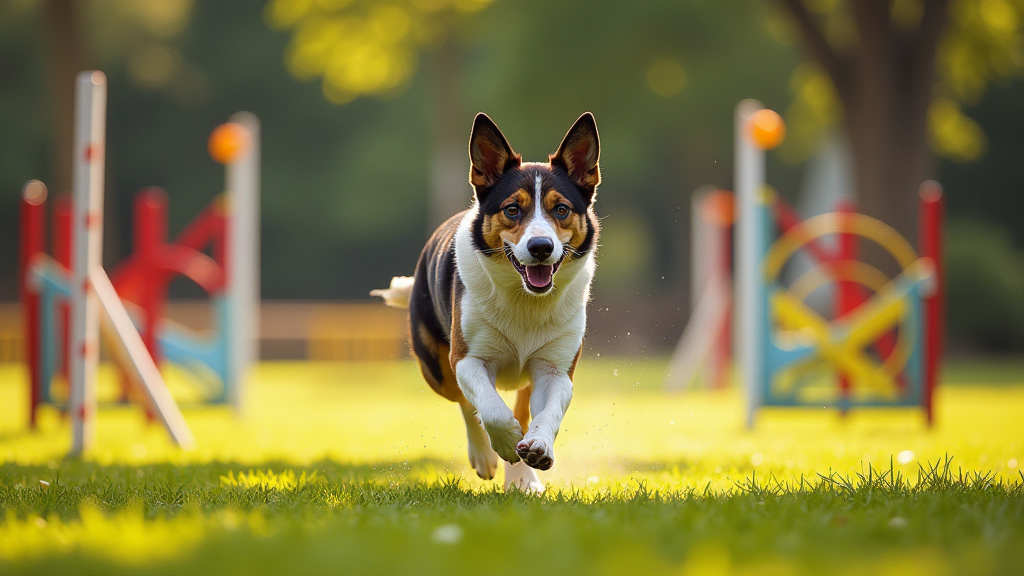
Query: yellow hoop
[[832, 223], [850, 270], [870, 277]]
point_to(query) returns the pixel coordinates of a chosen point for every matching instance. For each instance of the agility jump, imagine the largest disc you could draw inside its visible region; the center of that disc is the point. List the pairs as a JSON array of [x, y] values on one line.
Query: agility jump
[[880, 346], [69, 300]]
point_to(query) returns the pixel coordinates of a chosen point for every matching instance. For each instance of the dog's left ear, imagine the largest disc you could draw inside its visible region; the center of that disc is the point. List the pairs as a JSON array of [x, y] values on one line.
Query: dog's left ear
[[579, 153]]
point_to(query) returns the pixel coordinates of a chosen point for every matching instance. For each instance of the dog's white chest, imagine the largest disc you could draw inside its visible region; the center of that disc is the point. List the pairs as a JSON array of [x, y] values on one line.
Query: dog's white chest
[[508, 336], [506, 327]]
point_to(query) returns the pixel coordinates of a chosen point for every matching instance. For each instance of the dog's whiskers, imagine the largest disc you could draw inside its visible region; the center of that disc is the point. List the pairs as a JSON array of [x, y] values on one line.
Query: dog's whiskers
[[572, 252], [492, 251]]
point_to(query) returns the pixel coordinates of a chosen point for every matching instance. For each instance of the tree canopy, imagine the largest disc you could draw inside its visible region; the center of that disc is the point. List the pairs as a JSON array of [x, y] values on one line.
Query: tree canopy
[[346, 187], [977, 43]]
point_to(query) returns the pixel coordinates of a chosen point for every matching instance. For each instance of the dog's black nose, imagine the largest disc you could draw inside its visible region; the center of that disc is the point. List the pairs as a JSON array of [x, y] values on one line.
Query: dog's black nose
[[540, 248]]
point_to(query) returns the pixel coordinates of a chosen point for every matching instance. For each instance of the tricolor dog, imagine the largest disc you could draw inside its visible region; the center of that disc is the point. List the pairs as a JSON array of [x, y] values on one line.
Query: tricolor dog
[[499, 297]]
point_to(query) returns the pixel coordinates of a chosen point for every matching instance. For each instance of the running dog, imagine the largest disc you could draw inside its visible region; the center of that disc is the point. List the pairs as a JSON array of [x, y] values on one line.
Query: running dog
[[499, 297]]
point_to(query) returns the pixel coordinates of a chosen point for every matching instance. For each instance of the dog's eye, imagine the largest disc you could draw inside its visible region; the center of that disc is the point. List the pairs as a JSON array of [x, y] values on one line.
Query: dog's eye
[[561, 211], [512, 211]]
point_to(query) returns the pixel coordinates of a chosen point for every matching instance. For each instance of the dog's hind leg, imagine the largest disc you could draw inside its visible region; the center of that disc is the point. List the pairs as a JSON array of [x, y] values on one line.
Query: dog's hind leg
[[519, 475], [437, 371]]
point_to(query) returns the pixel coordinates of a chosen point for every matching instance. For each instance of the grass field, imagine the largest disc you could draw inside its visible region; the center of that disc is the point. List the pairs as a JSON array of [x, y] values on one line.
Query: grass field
[[360, 469]]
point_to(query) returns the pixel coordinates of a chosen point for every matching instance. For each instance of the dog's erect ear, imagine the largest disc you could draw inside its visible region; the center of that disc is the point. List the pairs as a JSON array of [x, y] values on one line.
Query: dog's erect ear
[[489, 153], [579, 153]]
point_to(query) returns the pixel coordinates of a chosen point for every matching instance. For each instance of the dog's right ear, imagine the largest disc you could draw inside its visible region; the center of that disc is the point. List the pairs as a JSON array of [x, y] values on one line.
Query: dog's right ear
[[489, 154]]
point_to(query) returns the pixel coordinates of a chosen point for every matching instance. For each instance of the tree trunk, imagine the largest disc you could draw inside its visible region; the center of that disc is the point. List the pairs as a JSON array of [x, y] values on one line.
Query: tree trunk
[[891, 157], [64, 55], [450, 191], [886, 86]]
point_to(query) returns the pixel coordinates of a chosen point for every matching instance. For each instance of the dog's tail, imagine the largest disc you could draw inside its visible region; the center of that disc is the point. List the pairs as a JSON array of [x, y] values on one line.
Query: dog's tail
[[397, 295]]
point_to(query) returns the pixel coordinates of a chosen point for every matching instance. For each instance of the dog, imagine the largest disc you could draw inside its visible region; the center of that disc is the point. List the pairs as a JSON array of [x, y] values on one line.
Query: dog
[[499, 297]]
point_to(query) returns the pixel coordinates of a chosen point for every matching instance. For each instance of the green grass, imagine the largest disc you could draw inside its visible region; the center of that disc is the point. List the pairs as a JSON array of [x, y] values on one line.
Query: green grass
[[360, 469]]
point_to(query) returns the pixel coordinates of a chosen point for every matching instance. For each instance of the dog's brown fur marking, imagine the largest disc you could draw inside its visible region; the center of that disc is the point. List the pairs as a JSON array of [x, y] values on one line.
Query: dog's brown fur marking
[[439, 352], [572, 230], [499, 228], [572, 369], [522, 408], [459, 346]]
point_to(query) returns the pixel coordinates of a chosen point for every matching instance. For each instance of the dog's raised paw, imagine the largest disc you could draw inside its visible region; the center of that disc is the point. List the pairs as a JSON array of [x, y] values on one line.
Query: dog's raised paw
[[537, 453], [483, 459], [504, 435]]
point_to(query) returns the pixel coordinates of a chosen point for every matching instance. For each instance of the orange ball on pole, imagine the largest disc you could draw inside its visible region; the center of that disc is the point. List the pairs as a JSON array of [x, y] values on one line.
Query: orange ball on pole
[[227, 142], [767, 129]]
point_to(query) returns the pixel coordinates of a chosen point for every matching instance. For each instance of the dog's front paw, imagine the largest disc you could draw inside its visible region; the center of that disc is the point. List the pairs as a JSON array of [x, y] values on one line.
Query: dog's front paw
[[481, 457], [485, 462], [504, 432], [536, 452]]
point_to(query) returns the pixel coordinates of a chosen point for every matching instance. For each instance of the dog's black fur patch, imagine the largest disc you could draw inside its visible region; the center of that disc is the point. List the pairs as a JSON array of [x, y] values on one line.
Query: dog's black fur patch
[[433, 293]]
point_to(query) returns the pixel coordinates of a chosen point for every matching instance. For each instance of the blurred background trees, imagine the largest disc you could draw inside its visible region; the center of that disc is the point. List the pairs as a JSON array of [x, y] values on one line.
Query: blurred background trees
[[895, 75], [366, 107]]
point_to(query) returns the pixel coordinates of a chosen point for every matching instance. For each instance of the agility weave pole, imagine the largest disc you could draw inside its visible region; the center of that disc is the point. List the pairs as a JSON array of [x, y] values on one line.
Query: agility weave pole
[[703, 355], [91, 293], [242, 177], [750, 230]]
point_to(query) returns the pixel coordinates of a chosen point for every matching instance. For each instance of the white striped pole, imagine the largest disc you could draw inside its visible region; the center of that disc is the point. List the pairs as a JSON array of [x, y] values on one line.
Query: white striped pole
[[243, 186], [86, 229], [748, 319]]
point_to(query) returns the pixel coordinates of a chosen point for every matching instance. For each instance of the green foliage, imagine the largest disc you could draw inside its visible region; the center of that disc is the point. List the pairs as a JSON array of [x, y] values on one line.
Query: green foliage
[[982, 45], [345, 188], [985, 283], [363, 48]]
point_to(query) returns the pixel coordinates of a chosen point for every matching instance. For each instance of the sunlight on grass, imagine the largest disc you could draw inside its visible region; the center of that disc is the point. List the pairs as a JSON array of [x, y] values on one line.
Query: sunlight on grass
[[138, 540], [286, 480], [361, 465], [621, 426]]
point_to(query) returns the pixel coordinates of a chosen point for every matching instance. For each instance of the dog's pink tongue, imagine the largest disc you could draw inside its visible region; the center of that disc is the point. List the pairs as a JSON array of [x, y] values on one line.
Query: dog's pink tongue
[[539, 276]]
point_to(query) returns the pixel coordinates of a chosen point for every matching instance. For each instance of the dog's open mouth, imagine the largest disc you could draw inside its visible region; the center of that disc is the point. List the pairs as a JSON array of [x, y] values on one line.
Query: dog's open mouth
[[538, 277]]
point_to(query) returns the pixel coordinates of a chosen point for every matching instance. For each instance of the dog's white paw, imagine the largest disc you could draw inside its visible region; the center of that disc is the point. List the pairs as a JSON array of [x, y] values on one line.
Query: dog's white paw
[[481, 457], [521, 477], [485, 462], [536, 452], [504, 432]]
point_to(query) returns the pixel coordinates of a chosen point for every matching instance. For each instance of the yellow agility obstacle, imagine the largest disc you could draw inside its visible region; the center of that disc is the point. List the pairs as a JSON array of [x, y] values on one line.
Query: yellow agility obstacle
[[882, 343]]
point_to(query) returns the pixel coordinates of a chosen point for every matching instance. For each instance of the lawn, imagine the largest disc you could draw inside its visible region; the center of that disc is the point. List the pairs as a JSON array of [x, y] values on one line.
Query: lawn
[[360, 469]]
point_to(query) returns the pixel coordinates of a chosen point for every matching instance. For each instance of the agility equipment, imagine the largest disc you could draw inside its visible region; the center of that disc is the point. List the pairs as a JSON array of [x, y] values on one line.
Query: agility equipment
[[705, 349], [229, 277], [882, 345], [881, 342], [68, 300], [86, 288]]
